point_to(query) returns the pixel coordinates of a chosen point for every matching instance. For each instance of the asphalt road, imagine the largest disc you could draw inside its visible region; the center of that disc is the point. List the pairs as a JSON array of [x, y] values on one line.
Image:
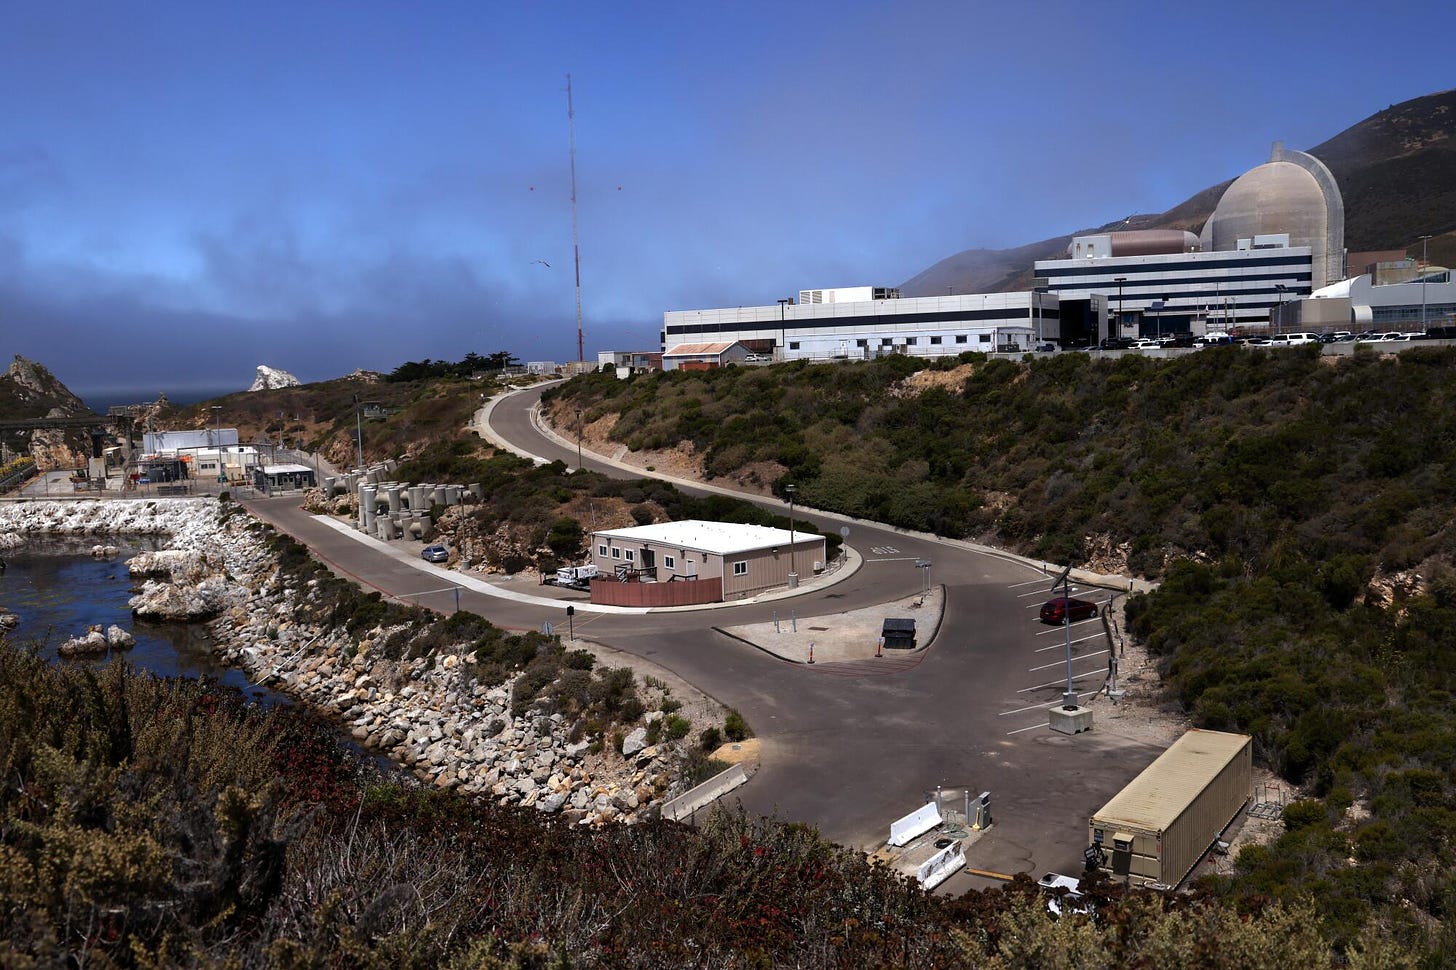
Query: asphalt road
[[851, 747]]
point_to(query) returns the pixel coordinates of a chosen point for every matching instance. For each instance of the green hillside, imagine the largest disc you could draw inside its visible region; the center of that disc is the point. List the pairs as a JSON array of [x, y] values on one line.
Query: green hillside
[[1297, 509]]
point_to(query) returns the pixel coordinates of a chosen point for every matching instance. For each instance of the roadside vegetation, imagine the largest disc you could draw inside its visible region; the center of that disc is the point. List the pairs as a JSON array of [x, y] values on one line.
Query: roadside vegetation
[[148, 823], [1297, 510], [542, 516]]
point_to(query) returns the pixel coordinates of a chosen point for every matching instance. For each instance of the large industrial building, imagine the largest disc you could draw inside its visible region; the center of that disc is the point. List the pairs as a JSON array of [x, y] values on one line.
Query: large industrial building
[[858, 323], [1277, 234], [1270, 257]]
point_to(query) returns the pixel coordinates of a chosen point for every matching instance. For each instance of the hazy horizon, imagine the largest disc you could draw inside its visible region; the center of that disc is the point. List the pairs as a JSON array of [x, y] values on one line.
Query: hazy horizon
[[194, 190]]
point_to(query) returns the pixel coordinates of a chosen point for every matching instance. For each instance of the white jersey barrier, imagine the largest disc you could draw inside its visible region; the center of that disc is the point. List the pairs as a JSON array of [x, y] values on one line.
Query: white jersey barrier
[[914, 825], [695, 798], [941, 866]]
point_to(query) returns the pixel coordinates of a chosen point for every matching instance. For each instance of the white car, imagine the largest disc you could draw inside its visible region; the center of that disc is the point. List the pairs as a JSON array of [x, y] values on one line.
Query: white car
[[1147, 343], [1058, 901], [757, 359]]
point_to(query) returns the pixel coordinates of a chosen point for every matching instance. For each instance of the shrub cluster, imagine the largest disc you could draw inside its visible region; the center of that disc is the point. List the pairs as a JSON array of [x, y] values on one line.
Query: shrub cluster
[[146, 824]]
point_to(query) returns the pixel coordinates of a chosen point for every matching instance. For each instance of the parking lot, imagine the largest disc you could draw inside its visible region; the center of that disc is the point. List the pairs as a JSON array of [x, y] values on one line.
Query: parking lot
[[1042, 661]]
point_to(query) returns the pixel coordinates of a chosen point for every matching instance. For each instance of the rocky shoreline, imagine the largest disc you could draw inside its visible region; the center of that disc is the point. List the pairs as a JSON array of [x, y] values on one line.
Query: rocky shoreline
[[427, 714]]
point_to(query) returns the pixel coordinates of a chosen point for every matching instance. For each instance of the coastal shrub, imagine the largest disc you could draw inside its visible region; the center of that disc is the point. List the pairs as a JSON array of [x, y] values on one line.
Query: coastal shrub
[[710, 739], [677, 727], [735, 728], [654, 731]]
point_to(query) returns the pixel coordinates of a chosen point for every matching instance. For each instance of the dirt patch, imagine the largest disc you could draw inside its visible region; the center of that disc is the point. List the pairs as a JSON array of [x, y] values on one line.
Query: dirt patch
[[952, 380]]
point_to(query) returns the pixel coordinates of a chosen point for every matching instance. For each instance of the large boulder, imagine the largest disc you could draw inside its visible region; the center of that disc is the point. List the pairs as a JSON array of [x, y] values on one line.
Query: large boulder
[[93, 642], [181, 603]]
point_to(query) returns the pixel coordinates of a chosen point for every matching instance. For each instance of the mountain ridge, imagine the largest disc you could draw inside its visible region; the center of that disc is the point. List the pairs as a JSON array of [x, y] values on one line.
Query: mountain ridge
[[1396, 170]]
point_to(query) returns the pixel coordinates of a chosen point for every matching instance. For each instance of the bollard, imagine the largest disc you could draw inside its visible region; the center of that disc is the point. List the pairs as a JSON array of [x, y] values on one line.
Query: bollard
[[811, 651], [880, 647]]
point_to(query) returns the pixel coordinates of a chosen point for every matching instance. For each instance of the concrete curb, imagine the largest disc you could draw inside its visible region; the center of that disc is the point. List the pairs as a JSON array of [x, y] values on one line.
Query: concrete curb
[[704, 794]]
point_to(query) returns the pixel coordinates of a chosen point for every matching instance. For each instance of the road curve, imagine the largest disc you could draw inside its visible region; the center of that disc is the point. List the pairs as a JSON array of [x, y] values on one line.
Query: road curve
[[848, 748]]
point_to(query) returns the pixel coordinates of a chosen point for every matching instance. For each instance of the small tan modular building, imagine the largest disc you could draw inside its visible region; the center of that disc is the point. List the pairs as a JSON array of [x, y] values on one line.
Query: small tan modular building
[[748, 558], [1157, 828]]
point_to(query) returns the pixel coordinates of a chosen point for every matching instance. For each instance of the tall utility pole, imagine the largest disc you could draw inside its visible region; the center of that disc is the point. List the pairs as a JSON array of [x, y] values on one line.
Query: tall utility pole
[[1424, 266], [575, 246]]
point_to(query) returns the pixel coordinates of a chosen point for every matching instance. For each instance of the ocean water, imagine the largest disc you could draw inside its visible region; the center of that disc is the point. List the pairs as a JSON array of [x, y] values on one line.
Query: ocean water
[[100, 400], [58, 590]]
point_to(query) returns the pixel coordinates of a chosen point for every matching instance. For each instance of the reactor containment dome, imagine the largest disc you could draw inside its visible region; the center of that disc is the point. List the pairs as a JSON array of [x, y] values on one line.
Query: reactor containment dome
[[1292, 193]]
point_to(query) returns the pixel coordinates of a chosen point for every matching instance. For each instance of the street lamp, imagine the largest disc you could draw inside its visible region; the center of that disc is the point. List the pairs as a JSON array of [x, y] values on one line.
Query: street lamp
[[1424, 266], [578, 439], [217, 441], [924, 566], [359, 432], [1279, 310], [789, 490], [783, 342], [1120, 280]]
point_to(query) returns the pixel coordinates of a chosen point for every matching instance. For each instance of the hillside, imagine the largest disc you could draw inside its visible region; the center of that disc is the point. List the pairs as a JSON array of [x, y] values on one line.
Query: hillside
[[1396, 171], [1295, 508], [29, 390]]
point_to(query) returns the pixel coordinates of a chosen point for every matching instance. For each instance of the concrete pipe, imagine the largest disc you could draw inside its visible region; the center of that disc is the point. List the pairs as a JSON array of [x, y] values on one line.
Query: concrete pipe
[[393, 495], [416, 497], [477, 491], [452, 494]]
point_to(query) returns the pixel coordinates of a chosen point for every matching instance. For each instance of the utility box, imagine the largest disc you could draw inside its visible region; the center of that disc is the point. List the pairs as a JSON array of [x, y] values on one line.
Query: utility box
[[899, 634], [1157, 828]]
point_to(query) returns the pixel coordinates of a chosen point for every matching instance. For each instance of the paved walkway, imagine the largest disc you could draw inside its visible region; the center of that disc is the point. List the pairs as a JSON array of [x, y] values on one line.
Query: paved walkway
[[849, 636]]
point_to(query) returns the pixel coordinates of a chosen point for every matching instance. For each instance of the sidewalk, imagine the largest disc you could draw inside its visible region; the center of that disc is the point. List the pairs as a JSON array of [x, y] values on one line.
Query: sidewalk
[[851, 635]]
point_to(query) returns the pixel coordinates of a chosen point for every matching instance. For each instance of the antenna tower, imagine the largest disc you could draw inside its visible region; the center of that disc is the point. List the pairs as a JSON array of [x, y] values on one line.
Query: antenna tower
[[575, 244]]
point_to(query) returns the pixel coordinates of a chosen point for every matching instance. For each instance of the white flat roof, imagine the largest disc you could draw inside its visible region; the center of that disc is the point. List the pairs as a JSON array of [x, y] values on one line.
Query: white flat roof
[[285, 469], [722, 538]]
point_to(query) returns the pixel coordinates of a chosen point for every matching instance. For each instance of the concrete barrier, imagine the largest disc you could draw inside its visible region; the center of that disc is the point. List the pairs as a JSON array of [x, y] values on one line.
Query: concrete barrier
[[709, 791], [914, 825], [941, 866]]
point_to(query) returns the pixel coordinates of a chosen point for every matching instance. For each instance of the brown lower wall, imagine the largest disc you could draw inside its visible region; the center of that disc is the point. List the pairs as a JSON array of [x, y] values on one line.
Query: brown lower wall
[[607, 592]]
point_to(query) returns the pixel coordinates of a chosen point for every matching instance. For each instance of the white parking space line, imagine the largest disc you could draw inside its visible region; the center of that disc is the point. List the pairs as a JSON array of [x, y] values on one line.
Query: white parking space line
[[1044, 707], [1031, 728], [1057, 683], [892, 559], [1060, 626], [1030, 582], [1049, 592], [1059, 663], [1063, 643]]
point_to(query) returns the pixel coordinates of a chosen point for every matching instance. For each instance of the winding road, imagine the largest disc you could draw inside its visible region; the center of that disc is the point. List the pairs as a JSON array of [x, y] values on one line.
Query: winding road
[[850, 747]]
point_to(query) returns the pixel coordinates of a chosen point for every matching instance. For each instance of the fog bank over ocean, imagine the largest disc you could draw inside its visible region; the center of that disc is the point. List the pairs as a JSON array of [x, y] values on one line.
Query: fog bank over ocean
[[99, 399]]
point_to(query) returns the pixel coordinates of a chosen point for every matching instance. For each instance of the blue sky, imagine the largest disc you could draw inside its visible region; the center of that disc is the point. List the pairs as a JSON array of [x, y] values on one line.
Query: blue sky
[[188, 190]]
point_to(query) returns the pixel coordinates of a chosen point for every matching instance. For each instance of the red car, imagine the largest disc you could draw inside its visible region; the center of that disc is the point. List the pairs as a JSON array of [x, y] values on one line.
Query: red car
[[1056, 610]]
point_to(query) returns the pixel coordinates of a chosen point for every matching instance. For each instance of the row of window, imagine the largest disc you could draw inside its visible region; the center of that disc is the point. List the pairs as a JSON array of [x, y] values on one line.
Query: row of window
[[668, 562], [1009, 316]]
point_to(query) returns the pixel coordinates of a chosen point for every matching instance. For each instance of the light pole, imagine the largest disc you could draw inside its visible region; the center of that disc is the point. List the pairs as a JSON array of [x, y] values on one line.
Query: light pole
[[783, 341], [924, 566], [217, 441], [578, 439], [1279, 310], [789, 490], [359, 432], [1424, 266], [1120, 280]]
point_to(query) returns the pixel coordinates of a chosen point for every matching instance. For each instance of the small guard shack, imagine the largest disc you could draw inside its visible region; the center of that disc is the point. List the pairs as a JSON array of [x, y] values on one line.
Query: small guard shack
[[1157, 828]]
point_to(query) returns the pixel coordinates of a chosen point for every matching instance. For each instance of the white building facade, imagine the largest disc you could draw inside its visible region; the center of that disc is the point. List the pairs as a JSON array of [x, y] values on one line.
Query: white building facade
[[1186, 291], [842, 325]]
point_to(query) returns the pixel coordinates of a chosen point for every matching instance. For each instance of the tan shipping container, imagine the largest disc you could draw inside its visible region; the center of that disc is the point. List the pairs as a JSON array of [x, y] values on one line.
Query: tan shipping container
[[1157, 828]]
